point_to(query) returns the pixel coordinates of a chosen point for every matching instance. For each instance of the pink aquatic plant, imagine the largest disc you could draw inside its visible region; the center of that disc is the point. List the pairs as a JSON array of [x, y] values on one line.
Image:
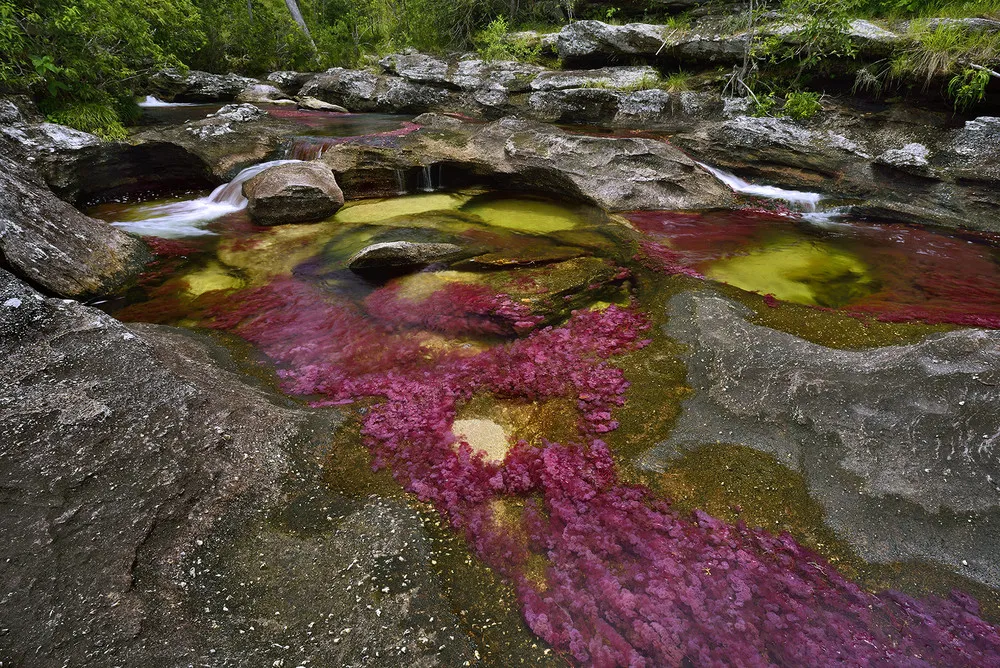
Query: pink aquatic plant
[[628, 581]]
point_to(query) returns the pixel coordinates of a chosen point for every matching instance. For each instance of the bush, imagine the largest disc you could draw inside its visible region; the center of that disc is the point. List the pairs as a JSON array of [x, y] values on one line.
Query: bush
[[801, 105], [495, 43]]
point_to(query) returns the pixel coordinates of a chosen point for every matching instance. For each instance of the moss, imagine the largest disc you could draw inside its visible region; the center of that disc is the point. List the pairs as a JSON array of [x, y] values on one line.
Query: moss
[[528, 421], [525, 215]]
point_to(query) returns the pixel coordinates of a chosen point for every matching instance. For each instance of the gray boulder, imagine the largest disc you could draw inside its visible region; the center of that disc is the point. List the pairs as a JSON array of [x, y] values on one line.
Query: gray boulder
[[911, 159], [289, 82], [402, 254], [295, 192], [49, 243], [312, 104], [898, 444], [195, 86], [606, 77]]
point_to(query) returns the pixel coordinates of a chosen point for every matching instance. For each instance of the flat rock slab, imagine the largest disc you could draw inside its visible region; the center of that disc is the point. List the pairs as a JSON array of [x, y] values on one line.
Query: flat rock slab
[[161, 509], [899, 444]]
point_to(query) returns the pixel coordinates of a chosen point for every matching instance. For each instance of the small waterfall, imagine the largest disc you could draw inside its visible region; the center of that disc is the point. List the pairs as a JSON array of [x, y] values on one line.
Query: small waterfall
[[154, 102], [401, 181], [427, 178], [806, 200], [184, 219]]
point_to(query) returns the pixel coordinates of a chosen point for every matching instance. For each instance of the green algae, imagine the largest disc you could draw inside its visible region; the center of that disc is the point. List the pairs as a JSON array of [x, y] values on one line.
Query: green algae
[[533, 216], [798, 271], [210, 277], [373, 211]]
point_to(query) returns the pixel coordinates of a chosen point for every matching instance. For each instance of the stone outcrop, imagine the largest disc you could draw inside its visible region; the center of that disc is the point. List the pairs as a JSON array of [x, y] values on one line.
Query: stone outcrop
[[293, 192], [173, 86], [161, 509], [402, 255], [234, 138], [616, 174], [898, 444], [55, 247], [264, 94]]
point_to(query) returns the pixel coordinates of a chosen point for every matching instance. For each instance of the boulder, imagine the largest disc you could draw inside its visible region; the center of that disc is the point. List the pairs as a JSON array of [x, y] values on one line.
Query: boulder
[[173, 86], [289, 82], [160, 508], [578, 105], [911, 159], [234, 138], [595, 40], [898, 444], [263, 94], [402, 255], [294, 192], [55, 247], [417, 67]]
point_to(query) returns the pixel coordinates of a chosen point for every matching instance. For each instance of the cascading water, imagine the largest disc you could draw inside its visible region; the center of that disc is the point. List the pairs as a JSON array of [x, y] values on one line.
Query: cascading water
[[400, 181], [806, 200], [154, 102], [427, 179], [185, 219]]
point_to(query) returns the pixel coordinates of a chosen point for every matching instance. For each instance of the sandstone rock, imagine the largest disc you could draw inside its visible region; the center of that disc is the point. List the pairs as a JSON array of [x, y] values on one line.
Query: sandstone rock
[[897, 443], [911, 158], [417, 67], [577, 105], [195, 86], [54, 246], [295, 192], [606, 77]]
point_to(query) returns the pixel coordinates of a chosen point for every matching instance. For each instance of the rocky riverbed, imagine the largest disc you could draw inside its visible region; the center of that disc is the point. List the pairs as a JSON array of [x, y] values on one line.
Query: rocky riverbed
[[501, 370]]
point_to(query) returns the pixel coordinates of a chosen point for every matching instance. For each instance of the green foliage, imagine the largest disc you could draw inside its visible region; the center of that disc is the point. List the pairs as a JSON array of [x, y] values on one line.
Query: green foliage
[[496, 43], [763, 104], [81, 57], [676, 82], [100, 119], [968, 87], [801, 105], [821, 32]]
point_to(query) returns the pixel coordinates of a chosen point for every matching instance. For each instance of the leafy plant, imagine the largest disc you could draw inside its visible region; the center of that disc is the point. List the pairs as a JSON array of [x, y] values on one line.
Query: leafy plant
[[968, 87], [763, 105], [800, 105], [496, 43]]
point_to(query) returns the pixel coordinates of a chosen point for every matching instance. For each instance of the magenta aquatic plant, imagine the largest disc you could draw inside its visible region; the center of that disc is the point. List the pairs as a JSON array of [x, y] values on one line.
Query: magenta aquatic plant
[[627, 581]]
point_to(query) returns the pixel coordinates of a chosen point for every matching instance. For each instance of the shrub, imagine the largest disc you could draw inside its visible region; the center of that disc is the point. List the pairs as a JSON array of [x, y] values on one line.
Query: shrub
[[800, 105], [496, 43], [968, 87]]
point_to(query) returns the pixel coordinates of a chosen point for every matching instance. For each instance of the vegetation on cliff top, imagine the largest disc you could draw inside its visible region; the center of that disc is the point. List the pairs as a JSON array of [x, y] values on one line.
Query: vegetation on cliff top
[[83, 60]]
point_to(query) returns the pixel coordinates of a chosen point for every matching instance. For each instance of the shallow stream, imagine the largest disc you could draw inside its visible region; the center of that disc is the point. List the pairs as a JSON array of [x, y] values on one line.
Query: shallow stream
[[494, 383]]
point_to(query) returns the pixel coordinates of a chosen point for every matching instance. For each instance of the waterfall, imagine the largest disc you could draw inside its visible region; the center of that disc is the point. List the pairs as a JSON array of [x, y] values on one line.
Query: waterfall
[[153, 102], [806, 200], [185, 219], [427, 179], [400, 181]]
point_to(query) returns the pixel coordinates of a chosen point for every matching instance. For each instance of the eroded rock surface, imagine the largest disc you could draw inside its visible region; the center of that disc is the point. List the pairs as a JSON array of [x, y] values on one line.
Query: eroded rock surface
[[54, 246], [196, 86], [160, 509], [898, 444]]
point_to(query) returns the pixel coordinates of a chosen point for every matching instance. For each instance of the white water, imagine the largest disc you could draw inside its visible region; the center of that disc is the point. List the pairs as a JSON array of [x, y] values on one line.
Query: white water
[[806, 200], [151, 101], [186, 219]]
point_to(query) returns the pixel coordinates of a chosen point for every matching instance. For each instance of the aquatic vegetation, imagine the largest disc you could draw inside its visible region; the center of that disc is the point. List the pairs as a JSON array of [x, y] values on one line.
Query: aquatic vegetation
[[626, 580], [892, 272], [524, 215], [443, 365]]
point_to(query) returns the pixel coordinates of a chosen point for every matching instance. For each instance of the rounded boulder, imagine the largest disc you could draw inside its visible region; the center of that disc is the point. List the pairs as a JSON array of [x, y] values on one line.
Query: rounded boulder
[[294, 192]]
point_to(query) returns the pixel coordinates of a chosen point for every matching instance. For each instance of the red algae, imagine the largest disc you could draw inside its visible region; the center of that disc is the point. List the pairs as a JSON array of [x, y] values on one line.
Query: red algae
[[629, 581], [922, 275]]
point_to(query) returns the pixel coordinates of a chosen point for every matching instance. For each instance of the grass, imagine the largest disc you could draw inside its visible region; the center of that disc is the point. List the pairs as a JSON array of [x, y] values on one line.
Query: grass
[[677, 82]]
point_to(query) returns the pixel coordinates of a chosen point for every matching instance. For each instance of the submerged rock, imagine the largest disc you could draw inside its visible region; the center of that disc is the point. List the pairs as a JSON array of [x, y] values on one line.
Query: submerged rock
[[54, 246], [402, 254], [898, 444], [294, 192]]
